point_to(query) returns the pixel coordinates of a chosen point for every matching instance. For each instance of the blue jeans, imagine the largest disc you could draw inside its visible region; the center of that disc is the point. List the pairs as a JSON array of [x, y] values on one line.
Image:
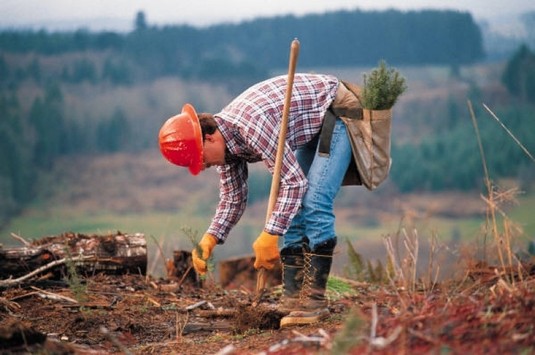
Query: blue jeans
[[314, 223]]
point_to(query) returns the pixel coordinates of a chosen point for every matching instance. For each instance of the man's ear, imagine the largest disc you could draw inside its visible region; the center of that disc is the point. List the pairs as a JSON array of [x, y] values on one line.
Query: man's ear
[[209, 137]]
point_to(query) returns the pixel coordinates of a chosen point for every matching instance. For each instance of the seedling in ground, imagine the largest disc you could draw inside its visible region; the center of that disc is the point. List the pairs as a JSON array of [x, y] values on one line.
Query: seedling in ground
[[193, 236]]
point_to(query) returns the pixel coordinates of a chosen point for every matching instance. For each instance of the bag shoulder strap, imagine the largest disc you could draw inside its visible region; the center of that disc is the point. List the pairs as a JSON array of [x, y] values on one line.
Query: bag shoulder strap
[[324, 148], [355, 89], [329, 120]]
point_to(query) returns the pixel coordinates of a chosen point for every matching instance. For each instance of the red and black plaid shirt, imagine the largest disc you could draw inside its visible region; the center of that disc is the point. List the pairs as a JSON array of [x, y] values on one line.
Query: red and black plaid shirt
[[250, 125]]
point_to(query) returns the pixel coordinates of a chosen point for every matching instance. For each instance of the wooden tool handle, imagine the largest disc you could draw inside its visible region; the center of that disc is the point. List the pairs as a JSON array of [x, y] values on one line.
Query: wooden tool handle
[[275, 182]]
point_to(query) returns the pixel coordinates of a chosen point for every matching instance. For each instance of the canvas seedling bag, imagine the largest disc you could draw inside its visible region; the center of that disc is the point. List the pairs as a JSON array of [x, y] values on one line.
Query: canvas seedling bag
[[369, 134]]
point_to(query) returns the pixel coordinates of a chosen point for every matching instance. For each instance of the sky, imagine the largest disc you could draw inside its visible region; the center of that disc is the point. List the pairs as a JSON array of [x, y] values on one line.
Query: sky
[[120, 14]]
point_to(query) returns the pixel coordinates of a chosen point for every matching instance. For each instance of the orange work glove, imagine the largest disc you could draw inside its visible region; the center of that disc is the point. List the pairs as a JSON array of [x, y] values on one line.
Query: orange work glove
[[206, 244], [266, 251]]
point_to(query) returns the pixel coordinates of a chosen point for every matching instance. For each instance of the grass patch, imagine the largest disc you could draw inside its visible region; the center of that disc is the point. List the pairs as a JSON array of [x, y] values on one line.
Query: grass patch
[[338, 288], [523, 214], [37, 224]]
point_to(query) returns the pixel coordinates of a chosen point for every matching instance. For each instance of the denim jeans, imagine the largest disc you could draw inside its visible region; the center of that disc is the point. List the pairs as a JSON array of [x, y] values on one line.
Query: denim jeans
[[315, 220]]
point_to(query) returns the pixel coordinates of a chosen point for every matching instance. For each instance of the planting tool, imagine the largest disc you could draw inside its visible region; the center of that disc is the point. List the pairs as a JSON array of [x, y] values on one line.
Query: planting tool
[[275, 182]]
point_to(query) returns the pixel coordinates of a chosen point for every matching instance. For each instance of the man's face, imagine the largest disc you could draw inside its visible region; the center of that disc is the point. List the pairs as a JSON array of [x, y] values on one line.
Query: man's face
[[213, 150]]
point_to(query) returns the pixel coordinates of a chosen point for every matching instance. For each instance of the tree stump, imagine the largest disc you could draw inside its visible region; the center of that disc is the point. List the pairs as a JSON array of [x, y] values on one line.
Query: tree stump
[[110, 254], [181, 269], [239, 272]]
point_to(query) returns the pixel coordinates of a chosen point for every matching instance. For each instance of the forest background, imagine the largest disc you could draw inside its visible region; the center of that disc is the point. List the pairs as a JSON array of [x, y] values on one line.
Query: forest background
[[80, 113]]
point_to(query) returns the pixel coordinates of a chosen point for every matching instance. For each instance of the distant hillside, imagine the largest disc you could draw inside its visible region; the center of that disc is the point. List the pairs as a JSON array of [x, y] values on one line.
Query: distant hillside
[[82, 93]]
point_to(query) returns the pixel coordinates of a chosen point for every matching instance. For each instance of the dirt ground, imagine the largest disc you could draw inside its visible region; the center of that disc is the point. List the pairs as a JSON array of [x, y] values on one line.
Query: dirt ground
[[486, 312]]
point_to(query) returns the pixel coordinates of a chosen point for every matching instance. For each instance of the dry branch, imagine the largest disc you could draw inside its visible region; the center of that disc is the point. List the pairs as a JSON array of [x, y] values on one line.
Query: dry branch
[[20, 239], [12, 282], [510, 133]]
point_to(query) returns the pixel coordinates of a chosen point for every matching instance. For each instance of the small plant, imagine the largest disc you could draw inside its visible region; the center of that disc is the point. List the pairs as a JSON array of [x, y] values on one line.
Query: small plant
[[382, 87], [351, 334], [78, 289], [403, 264], [361, 270], [404, 269], [193, 236]]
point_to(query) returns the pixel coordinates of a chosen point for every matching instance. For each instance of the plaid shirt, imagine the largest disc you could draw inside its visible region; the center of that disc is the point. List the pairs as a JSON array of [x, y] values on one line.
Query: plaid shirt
[[250, 125]]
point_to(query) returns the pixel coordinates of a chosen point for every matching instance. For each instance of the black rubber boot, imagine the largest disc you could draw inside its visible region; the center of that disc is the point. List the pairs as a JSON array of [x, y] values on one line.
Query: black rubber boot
[[317, 268], [292, 279], [313, 306]]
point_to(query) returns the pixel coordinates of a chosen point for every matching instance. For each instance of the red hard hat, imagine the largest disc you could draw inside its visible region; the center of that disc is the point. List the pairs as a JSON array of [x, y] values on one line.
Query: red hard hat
[[180, 140]]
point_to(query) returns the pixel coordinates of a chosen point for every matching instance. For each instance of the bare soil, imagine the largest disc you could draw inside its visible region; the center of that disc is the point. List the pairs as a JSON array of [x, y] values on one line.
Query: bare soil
[[486, 312]]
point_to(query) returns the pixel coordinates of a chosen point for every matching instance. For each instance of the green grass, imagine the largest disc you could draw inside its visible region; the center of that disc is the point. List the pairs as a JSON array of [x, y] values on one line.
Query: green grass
[[338, 288], [166, 230], [467, 229], [464, 229], [167, 227], [162, 226], [36, 223], [524, 214]]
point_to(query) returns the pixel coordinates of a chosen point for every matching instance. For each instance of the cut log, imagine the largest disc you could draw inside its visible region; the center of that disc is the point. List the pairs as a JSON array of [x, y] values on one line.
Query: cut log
[[110, 254], [239, 272]]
